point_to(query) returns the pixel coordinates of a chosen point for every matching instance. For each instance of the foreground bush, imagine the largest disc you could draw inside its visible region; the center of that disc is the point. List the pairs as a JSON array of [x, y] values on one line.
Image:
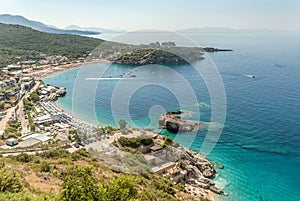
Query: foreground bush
[[9, 181], [80, 184]]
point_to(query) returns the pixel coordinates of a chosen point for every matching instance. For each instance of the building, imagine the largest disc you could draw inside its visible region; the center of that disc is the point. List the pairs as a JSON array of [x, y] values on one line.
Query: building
[[10, 82], [12, 141], [163, 168], [14, 67], [45, 137], [31, 142], [43, 119], [28, 82]]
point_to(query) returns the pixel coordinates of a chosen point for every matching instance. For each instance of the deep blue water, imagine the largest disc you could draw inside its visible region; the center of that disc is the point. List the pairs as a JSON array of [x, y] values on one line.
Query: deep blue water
[[260, 142]]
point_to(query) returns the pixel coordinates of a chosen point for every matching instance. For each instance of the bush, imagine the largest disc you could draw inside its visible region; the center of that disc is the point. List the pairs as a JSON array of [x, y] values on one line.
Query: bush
[[55, 153], [145, 140], [24, 158], [135, 142], [45, 167], [79, 154], [9, 181], [121, 188], [167, 141], [79, 184], [129, 142]]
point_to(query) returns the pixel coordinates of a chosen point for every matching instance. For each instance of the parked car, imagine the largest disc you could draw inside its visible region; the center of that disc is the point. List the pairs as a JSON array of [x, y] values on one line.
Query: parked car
[[76, 145], [81, 143]]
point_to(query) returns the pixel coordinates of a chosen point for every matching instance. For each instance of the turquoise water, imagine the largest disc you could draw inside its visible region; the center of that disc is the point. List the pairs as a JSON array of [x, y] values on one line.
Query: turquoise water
[[260, 142]]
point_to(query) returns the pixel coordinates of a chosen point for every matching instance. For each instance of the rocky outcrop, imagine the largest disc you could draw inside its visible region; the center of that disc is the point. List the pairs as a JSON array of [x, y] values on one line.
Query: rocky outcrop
[[212, 49], [173, 122], [199, 170]]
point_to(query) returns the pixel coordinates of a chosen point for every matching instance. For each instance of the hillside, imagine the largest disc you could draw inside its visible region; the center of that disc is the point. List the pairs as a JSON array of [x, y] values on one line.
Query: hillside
[[20, 20], [18, 43], [59, 175], [160, 56]]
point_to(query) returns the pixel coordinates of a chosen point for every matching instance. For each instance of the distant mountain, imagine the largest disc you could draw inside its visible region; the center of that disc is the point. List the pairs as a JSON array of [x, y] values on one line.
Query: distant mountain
[[20, 20], [229, 30], [96, 29], [208, 30]]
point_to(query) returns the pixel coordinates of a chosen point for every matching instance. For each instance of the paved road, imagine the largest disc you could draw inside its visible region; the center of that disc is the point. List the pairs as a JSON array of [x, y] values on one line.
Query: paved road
[[11, 110]]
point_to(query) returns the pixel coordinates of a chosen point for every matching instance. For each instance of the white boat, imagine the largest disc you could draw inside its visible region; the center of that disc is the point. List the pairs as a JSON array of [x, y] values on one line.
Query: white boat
[[249, 76]]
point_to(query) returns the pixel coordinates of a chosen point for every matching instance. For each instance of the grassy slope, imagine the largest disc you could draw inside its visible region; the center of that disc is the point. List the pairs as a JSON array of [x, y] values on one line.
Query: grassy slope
[[42, 177]]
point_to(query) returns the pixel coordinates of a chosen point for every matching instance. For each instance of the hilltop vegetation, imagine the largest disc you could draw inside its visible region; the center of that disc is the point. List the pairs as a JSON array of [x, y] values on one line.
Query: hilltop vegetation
[[18, 43], [59, 175]]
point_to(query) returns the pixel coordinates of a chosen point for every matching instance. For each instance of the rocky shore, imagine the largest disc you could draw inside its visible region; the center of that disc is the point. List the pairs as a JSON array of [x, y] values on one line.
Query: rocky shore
[[193, 170], [172, 122]]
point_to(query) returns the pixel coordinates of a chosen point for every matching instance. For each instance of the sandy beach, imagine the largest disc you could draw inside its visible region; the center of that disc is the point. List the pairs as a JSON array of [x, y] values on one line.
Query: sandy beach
[[50, 71]]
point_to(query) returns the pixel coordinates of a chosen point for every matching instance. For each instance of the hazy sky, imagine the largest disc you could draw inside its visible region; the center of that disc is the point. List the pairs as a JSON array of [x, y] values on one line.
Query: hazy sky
[[162, 14]]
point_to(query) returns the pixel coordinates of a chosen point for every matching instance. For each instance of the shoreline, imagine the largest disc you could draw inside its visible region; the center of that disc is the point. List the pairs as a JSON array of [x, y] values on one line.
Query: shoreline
[[210, 195], [45, 73]]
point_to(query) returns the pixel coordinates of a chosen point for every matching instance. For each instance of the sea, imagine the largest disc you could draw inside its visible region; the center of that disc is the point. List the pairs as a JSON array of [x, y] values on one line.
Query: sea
[[259, 142]]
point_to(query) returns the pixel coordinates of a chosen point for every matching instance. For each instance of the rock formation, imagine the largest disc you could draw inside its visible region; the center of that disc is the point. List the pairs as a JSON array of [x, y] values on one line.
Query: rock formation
[[173, 122]]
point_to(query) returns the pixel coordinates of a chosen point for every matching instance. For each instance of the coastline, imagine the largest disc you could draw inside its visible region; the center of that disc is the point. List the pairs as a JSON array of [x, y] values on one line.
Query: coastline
[[210, 195], [45, 73]]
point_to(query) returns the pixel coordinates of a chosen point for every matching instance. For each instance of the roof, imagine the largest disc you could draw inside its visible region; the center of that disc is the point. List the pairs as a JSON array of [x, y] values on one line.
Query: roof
[[29, 142], [37, 136], [149, 157], [163, 167], [43, 118], [44, 137], [156, 148], [30, 136], [12, 139]]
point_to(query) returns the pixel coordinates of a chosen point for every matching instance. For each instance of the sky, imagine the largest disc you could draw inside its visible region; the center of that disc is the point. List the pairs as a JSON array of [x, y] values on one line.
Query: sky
[[160, 14]]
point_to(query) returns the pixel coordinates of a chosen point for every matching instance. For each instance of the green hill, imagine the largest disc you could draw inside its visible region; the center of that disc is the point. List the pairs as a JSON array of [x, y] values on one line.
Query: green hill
[[18, 43]]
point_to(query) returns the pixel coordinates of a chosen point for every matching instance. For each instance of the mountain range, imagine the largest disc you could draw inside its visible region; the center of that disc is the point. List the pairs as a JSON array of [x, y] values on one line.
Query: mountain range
[[20, 20], [96, 29]]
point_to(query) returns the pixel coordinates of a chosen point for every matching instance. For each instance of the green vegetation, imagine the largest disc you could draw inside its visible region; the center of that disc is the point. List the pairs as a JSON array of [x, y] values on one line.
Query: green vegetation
[[167, 141], [174, 55], [12, 129], [29, 106], [18, 43], [34, 96], [135, 142], [82, 179], [108, 130], [2, 105], [9, 181], [122, 123]]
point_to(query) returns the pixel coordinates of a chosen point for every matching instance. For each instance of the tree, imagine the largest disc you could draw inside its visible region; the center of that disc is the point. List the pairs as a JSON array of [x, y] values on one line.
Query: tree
[[122, 124]]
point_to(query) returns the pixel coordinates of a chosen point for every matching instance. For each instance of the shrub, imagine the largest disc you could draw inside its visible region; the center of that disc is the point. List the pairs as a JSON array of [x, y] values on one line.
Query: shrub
[[129, 142], [167, 141], [122, 188], [145, 140], [45, 167], [24, 158], [79, 184], [9, 181], [55, 153]]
